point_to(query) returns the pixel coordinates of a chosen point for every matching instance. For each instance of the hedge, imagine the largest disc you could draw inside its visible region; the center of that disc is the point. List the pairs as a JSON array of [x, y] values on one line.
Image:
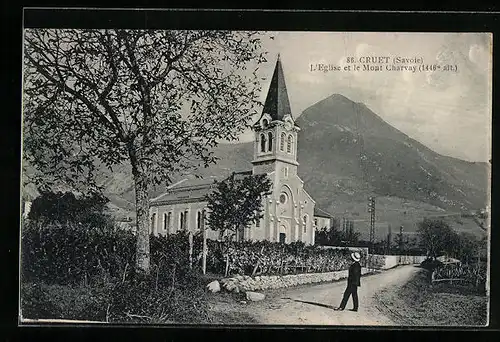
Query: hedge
[[75, 254], [82, 255], [273, 258]]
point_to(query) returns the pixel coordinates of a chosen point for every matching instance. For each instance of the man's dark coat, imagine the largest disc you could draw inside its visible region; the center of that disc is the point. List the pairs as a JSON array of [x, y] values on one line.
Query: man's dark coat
[[354, 277]]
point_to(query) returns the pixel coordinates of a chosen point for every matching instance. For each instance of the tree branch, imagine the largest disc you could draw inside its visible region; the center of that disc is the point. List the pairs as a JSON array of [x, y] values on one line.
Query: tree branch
[[62, 84], [109, 48]]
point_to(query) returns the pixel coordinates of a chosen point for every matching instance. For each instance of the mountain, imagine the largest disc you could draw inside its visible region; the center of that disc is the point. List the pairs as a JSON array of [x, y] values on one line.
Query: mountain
[[346, 149], [347, 153]]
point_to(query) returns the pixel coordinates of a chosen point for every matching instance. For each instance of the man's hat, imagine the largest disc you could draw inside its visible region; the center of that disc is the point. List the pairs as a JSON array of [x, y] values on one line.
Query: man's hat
[[355, 256]]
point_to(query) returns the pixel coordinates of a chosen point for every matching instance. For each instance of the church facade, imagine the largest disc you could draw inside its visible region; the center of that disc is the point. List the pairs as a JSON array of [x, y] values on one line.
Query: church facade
[[289, 212]]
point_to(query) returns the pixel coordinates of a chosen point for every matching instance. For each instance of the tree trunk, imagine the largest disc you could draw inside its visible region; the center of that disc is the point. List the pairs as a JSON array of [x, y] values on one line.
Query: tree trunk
[[142, 209], [226, 272], [142, 214]]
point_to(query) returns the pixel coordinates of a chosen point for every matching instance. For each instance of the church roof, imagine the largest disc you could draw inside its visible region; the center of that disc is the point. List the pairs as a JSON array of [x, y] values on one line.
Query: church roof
[[185, 195], [192, 190], [321, 213], [187, 189], [277, 104]]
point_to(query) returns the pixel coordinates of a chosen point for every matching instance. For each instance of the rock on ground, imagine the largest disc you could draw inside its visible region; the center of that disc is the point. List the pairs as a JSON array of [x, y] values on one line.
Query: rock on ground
[[255, 296], [214, 286]]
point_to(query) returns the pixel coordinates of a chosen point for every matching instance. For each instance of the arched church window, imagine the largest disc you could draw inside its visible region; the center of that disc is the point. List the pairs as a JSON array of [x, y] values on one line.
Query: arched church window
[[186, 220], [282, 142], [169, 221], [198, 220], [289, 144], [263, 143], [203, 218], [305, 218], [265, 123], [270, 143]]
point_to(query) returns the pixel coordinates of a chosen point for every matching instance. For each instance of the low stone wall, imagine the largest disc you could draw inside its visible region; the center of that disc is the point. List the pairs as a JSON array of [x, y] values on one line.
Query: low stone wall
[[389, 261], [241, 283]]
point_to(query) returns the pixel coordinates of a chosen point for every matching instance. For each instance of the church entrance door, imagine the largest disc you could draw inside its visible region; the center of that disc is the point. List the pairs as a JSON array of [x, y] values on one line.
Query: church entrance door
[[282, 237], [283, 232]]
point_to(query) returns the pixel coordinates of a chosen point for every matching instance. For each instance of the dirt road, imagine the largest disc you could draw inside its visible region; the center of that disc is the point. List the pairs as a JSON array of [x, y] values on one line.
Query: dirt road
[[313, 304]]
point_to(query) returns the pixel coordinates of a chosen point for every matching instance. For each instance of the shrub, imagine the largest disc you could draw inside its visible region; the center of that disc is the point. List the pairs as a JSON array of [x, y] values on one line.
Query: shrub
[[470, 274], [135, 300], [40, 300], [146, 300], [84, 273], [59, 207], [430, 264], [74, 254], [275, 258]]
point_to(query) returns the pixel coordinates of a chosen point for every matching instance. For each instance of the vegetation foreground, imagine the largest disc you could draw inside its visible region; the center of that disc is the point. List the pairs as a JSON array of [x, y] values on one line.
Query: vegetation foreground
[[83, 273], [77, 265], [418, 303]]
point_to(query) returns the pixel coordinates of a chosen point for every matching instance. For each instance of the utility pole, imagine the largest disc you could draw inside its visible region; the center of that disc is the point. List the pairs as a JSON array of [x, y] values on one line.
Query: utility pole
[[401, 243], [371, 210], [389, 239], [478, 265]]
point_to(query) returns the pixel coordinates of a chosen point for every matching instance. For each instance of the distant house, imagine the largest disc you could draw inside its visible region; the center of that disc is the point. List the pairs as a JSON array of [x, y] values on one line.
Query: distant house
[[322, 219], [290, 213]]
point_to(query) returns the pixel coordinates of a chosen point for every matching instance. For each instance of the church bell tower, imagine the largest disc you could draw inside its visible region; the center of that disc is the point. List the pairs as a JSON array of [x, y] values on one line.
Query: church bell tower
[[275, 143]]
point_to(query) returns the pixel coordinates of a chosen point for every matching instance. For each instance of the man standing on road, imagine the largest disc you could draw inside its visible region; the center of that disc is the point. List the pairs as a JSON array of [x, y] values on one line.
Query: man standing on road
[[353, 281]]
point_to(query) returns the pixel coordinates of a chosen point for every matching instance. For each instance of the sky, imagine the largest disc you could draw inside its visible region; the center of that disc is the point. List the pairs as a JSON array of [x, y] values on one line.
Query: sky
[[448, 112]]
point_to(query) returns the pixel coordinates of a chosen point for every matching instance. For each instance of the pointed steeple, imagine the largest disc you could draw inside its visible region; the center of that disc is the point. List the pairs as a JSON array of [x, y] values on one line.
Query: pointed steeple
[[277, 104]]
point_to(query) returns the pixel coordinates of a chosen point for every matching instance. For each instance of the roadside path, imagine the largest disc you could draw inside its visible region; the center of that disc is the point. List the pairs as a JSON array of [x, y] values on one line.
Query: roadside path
[[313, 304]]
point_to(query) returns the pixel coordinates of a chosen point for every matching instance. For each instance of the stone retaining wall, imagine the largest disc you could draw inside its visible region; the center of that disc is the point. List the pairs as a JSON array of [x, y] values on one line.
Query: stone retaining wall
[[241, 283]]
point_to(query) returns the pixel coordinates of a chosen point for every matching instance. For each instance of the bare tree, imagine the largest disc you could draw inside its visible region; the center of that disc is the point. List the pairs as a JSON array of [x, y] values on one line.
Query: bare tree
[[158, 100]]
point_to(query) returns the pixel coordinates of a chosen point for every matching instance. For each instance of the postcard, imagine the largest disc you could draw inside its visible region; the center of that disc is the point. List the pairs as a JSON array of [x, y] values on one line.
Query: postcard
[[255, 177]]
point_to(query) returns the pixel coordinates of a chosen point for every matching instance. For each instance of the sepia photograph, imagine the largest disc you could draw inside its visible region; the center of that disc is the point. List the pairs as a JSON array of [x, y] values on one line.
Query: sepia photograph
[[218, 177]]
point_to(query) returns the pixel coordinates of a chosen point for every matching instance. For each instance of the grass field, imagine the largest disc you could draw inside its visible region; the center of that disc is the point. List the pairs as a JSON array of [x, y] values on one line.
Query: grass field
[[418, 304]]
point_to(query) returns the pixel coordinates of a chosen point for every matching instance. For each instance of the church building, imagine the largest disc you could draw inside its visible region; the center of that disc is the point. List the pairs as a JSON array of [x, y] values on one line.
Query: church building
[[290, 213]]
